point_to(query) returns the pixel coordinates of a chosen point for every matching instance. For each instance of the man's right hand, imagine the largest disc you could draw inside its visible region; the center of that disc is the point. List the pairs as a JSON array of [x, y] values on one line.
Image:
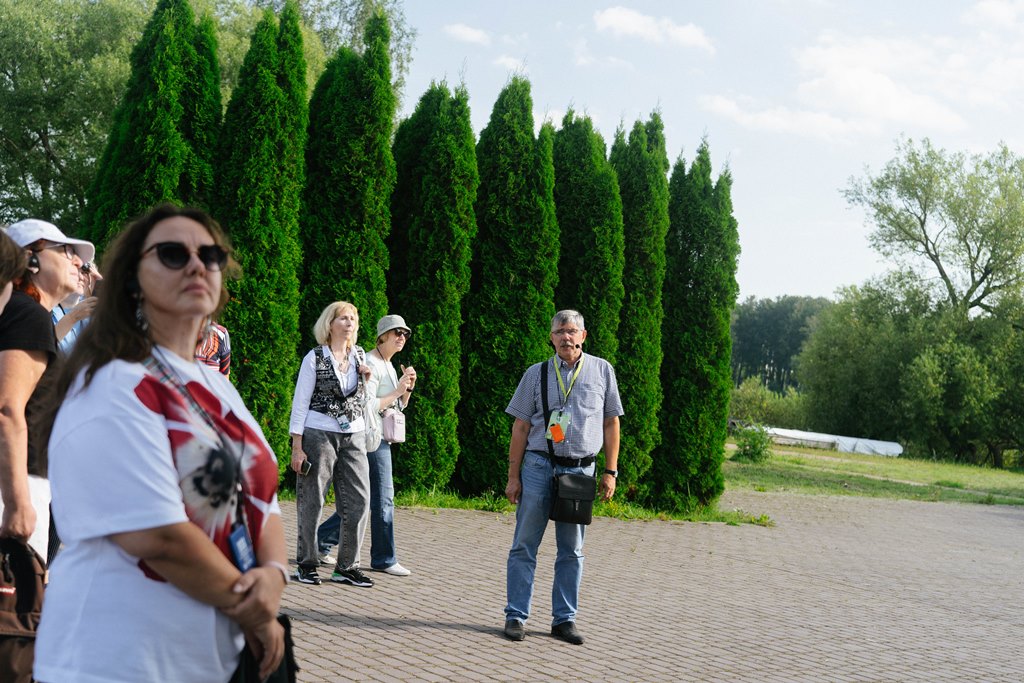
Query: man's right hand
[[19, 521], [514, 490]]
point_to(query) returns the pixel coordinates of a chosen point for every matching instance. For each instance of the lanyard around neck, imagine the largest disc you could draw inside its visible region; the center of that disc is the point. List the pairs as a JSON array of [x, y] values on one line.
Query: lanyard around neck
[[168, 375], [572, 381]]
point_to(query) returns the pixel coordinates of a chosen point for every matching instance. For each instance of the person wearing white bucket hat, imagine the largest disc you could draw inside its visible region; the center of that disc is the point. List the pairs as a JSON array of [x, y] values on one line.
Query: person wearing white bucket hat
[[27, 345]]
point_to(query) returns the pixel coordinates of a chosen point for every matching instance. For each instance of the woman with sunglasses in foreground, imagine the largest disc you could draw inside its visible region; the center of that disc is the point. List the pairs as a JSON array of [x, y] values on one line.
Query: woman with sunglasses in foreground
[[164, 486]]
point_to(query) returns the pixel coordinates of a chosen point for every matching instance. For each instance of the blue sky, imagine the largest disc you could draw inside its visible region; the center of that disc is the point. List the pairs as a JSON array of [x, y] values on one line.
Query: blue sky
[[794, 96]]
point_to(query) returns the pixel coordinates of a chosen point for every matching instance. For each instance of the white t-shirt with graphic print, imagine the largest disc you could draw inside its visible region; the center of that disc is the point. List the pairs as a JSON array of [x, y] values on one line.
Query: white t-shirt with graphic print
[[127, 454]]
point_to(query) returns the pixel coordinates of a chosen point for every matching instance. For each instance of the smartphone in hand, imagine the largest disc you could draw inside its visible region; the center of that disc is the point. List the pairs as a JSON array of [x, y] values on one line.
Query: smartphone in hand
[[306, 467]]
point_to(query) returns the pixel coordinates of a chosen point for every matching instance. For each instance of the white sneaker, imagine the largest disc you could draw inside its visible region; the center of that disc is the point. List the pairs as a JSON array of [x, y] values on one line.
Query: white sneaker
[[327, 560], [395, 570]]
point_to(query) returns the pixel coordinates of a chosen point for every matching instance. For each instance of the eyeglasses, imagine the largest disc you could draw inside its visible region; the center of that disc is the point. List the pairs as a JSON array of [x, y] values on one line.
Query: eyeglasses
[[402, 333], [69, 251], [570, 332], [87, 267], [176, 255]]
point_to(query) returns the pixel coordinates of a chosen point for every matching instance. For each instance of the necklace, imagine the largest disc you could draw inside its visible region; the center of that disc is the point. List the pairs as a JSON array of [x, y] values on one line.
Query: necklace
[[343, 363]]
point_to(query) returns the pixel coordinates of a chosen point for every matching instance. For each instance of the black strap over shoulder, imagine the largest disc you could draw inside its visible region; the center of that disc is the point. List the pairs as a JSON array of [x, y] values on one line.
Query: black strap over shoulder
[[547, 413]]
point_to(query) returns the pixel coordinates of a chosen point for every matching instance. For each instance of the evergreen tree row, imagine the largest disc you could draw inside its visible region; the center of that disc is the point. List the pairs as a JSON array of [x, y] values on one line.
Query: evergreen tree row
[[475, 243]]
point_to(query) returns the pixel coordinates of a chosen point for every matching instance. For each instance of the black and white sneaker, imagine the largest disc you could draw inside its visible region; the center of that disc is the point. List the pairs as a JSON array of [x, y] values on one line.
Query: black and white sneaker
[[352, 576], [304, 575]]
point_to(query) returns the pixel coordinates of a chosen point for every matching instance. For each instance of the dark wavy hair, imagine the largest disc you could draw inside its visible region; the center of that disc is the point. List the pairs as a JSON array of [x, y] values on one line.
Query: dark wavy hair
[[113, 332], [13, 261]]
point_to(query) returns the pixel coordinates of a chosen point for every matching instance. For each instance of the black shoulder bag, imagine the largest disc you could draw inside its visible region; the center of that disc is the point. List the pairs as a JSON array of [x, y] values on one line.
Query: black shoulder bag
[[573, 495]]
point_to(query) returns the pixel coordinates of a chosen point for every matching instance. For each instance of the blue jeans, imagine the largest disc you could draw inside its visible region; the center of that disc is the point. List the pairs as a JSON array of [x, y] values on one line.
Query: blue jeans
[[531, 521], [382, 513]]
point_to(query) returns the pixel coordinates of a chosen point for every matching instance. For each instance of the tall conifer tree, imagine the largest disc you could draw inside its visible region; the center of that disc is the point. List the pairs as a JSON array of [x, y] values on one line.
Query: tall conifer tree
[[350, 175], [433, 215], [700, 290], [514, 272], [201, 116], [589, 213], [642, 166], [411, 165], [149, 155], [260, 170]]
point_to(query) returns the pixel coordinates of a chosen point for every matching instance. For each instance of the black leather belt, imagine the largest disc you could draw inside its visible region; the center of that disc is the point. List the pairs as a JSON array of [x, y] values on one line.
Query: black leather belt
[[575, 462]]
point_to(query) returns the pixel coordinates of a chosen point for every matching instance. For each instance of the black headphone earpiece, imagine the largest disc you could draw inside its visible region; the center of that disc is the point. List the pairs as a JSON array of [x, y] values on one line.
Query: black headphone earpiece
[[33, 262]]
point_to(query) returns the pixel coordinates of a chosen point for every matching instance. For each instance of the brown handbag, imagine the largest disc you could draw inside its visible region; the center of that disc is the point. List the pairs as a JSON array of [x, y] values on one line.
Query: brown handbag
[[22, 583]]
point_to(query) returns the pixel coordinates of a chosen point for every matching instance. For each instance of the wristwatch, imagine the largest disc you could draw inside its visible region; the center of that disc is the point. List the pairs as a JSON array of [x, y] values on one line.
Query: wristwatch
[[614, 473]]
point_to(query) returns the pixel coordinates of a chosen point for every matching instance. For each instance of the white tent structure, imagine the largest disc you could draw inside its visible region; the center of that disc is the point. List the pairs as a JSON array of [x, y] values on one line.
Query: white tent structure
[[846, 444]]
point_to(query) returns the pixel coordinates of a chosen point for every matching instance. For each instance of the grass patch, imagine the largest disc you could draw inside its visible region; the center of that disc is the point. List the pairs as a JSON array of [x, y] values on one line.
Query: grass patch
[[618, 509], [791, 470], [830, 473]]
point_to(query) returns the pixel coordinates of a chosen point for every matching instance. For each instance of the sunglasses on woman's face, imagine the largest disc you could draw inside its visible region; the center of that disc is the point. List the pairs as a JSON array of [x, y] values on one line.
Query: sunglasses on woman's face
[[403, 333], [176, 255]]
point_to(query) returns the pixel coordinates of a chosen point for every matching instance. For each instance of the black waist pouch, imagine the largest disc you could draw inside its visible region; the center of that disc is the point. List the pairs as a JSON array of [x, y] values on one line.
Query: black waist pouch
[[573, 499]]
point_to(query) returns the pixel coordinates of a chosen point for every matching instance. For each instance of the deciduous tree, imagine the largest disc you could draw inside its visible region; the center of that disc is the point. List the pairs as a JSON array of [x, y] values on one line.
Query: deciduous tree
[[63, 66], [767, 335], [952, 219]]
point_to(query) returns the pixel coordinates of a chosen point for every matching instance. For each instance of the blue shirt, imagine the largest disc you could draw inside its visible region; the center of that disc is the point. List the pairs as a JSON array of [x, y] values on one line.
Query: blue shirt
[[593, 397]]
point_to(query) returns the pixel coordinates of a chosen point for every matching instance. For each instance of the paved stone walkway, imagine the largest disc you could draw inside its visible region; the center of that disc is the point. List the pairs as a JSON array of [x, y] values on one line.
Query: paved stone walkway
[[840, 589]]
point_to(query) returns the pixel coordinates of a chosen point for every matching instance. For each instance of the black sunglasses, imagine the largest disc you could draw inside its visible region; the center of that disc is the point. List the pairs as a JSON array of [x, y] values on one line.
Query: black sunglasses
[[176, 255]]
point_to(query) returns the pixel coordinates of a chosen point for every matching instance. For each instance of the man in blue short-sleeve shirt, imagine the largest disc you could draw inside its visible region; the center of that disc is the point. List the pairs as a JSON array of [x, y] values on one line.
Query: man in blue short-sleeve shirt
[[583, 398]]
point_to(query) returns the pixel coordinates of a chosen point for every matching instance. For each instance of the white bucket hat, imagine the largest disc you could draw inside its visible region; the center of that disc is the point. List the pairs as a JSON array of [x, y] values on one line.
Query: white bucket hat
[[32, 230], [391, 322]]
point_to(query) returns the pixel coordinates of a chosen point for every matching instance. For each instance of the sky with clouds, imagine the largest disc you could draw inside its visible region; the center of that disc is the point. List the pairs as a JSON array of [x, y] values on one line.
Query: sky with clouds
[[795, 97]]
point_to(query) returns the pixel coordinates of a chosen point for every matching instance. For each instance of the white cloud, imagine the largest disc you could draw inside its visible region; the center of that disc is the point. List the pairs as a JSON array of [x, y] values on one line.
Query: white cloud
[[995, 15], [583, 56], [515, 40], [581, 53], [880, 85], [468, 34], [512, 64], [780, 119], [889, 80], [622, 21]]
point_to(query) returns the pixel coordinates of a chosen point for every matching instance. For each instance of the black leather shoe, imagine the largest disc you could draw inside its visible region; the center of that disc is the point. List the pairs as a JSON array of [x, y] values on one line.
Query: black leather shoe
[[567, 632], [514, 629]]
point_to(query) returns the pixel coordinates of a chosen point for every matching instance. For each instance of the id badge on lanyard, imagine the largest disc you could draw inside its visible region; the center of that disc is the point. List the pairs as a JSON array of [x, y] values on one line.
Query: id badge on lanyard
[[558, 425], [242, 550]]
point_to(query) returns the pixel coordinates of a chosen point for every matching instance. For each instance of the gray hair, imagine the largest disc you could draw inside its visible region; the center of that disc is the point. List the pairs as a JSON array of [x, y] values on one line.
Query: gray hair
[[567, 317]]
